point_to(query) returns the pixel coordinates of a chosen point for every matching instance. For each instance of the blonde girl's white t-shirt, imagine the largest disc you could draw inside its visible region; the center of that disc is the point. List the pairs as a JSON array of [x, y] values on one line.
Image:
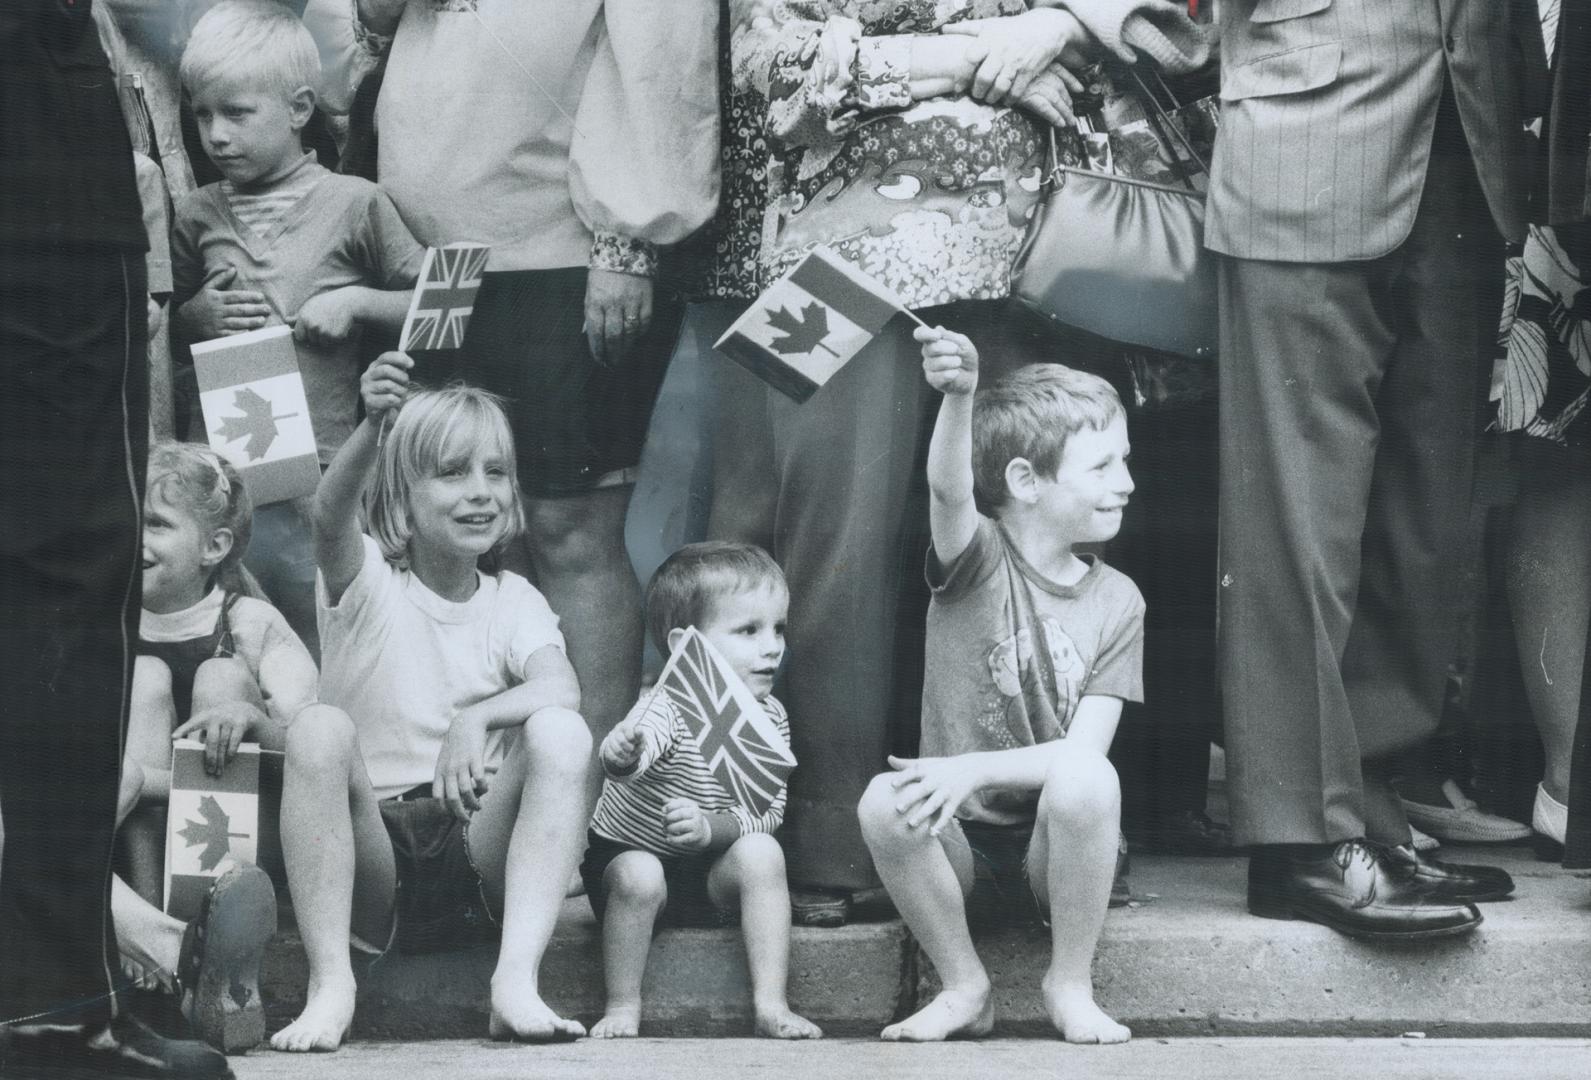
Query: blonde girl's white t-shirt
[[401, 661]]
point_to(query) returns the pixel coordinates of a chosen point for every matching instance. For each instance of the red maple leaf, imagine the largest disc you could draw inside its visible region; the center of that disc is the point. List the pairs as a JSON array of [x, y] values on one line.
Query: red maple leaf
[[211, 832], [256, 423], [801, 335]]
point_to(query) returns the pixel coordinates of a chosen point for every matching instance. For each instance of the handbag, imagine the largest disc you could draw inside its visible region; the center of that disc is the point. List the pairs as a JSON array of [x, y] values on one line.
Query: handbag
[[1123, 258]]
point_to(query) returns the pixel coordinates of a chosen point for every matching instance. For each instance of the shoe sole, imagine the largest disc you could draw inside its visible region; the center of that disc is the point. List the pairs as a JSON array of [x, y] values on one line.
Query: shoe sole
[[1289, 912], [239, 919]]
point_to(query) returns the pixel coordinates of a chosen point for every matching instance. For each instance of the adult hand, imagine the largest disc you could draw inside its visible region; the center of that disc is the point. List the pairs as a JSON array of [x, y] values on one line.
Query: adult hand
[[221, 728], [932, 789], [1020, 48], [461, 766], [218, 310], [1049, 96], [618, 312], [685, 826], [385, 383]]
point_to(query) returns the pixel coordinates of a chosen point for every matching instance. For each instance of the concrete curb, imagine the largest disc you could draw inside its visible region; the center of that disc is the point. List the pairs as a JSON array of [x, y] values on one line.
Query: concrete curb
[[1183, 960]]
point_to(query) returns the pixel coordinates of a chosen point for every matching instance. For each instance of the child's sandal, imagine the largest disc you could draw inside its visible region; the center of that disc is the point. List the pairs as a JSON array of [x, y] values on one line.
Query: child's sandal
[[220, 959]]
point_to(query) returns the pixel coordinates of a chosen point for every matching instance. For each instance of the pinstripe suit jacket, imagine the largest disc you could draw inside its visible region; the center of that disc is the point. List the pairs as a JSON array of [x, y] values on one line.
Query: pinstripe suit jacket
[[1327, 112]]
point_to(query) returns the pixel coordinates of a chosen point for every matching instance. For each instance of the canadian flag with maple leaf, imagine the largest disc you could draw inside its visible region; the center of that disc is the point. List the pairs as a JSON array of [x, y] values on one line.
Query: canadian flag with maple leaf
[[212, 822], [256, 413], [809, 323]]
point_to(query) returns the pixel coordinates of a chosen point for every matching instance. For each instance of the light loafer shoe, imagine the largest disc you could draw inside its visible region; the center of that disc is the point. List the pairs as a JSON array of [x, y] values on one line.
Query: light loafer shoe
[[1461, 821]]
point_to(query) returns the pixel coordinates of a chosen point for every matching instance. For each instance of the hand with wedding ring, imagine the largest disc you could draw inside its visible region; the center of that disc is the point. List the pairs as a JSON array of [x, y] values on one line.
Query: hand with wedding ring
[[618, 312], [1040, 43]]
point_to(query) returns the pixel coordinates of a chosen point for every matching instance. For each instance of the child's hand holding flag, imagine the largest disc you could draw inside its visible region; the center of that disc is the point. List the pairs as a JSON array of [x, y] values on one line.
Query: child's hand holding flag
[[622, 747], [950, 360]]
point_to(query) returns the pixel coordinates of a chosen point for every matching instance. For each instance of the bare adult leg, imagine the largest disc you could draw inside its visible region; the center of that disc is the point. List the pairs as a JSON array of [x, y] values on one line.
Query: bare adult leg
[[1549, 594], [929, 878], [576, 553], [340, 868], [1071, 861], [526, 842]]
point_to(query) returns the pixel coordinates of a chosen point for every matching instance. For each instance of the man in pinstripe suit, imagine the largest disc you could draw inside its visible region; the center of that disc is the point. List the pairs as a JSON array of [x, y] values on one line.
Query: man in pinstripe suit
[[1371, 158]]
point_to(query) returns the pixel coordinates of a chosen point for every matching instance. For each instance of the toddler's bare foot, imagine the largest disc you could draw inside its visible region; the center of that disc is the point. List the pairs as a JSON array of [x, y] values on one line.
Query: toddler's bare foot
[[619, 1022], [324, 1022], [519, 1014], [1075, 1015], [952, 1014], [776, 1021]]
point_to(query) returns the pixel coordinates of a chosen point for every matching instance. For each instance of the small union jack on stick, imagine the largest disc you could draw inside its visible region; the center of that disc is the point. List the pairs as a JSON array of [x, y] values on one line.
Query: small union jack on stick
[[741, 746], [444, 297]]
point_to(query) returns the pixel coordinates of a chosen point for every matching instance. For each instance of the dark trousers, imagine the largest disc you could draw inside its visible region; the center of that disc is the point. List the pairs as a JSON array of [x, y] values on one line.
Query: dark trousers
[[1168, 547], [72, 449], [1349, 399]]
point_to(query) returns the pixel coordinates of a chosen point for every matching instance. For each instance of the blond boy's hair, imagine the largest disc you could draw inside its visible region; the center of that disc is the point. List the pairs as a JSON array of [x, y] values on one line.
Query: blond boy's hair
[[1030, 414], [254, 43]]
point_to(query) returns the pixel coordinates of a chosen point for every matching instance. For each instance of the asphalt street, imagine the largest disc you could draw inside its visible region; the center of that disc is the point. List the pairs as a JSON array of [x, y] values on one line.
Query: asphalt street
[[735, 1059]]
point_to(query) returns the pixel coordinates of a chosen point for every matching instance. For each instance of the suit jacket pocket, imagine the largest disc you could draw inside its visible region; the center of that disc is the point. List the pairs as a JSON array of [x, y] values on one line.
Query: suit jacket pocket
[[1308, 67], [1269, 11]]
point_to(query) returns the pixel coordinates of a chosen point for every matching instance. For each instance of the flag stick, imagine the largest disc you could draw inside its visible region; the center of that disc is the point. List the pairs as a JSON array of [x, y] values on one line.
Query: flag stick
[[913, 317]]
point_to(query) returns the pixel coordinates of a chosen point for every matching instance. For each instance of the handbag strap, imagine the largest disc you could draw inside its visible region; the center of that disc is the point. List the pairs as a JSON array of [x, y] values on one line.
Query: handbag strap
[[1161, 122]]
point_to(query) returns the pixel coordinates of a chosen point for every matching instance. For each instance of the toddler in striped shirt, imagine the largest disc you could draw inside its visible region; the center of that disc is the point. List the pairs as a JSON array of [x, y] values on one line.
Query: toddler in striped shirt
[[668, 843]]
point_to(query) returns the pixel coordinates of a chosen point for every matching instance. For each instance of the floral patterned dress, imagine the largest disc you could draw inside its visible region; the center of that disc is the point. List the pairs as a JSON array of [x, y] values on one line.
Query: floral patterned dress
[[1540, 385], [931, 197]]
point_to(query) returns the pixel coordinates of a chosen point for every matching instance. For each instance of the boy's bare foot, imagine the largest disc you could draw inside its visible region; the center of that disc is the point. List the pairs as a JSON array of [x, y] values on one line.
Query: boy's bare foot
[[778, 1022], [519, 1014], [952, 1014], [619, 1022], [1075, 1015], [324, 1022]]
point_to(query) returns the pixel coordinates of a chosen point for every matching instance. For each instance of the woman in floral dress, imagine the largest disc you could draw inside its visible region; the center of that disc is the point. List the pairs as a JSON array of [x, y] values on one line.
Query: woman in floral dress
[[909, 137], [1541, 390]]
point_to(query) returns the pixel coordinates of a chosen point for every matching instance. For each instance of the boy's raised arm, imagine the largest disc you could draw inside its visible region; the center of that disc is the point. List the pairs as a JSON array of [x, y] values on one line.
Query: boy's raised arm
[[950, 364]]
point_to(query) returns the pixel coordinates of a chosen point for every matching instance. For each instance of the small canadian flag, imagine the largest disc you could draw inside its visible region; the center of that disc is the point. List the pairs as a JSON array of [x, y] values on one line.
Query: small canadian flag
[[256, 413], [809, 323]]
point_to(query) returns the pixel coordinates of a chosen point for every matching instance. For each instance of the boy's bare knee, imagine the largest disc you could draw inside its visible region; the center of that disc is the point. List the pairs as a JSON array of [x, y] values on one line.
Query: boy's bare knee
[[556, 739], [882, 824], [321, 737], [1080, 787], [757, 858], [636, 877]]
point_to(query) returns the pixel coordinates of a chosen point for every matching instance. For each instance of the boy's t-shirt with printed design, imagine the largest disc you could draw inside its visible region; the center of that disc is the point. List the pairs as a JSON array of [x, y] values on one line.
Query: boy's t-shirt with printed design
[[1010, 653], [401, 661]]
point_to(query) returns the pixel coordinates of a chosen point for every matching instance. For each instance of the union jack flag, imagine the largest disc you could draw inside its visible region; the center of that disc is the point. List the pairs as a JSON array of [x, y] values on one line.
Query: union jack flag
[[444, 297], [742, 748]]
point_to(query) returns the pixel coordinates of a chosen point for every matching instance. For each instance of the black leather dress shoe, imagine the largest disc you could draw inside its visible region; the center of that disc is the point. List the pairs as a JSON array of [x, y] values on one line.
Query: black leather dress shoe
[[1453, 882], [1353, 889], [123, 1050]]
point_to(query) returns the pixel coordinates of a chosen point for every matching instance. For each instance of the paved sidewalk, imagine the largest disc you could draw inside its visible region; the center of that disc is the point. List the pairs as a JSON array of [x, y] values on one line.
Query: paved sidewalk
[[736, 1059]]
